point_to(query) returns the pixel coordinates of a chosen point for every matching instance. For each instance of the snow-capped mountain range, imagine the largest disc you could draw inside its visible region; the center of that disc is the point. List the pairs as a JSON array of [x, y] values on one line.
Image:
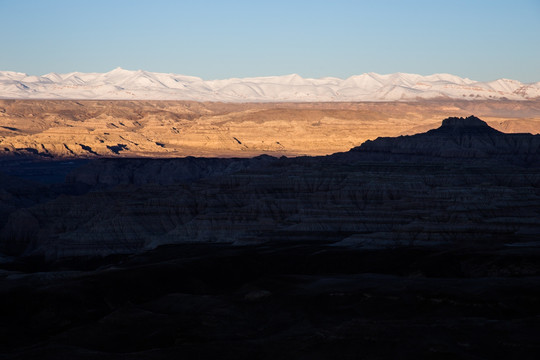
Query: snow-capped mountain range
[[143, 85]]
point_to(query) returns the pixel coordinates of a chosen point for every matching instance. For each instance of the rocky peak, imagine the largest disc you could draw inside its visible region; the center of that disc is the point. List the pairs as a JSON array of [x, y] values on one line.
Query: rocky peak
[[471, 121], [459, 125]]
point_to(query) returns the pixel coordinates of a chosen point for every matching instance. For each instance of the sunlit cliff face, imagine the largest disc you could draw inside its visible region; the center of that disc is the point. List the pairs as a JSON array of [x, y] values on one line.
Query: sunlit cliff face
[[174, 128]]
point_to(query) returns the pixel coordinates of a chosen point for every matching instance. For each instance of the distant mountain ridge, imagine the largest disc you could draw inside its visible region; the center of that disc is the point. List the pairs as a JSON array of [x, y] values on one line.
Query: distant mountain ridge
[[124, 84]]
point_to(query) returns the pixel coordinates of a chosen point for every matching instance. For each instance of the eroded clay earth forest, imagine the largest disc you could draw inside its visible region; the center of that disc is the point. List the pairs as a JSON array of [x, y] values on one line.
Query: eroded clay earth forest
[[169, 229]]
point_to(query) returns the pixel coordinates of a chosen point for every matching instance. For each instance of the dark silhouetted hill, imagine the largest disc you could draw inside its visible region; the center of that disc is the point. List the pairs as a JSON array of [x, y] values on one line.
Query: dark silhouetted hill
[[469, 138]]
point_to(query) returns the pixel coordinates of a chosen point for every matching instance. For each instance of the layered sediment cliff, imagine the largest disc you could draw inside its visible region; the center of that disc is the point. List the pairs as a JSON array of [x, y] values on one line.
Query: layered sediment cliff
[[167, 129], [462, 183]]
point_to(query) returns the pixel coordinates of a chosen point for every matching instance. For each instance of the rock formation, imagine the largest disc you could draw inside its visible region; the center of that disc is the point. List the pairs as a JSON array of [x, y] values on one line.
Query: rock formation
[[396, 249], [460, 138], [168, 129], [454, 184]]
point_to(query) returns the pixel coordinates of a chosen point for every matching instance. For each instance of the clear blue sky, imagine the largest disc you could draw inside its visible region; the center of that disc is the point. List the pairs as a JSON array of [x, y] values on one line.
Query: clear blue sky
[[482, 40]]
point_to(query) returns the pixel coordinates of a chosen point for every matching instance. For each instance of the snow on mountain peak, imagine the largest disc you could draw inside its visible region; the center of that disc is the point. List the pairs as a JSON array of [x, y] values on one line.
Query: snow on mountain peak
[[118, 69], [120, 83]]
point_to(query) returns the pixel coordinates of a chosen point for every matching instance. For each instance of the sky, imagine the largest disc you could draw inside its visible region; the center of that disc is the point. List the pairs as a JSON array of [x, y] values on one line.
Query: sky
[[478, 39]]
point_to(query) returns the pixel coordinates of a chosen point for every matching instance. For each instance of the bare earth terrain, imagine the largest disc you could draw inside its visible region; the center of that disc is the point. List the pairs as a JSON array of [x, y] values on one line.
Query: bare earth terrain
[[405, 247], [68, 128]]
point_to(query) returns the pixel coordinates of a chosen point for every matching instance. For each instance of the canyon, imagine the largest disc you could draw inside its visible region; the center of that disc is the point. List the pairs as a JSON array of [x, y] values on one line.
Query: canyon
[[449, 184], [421, 238]]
